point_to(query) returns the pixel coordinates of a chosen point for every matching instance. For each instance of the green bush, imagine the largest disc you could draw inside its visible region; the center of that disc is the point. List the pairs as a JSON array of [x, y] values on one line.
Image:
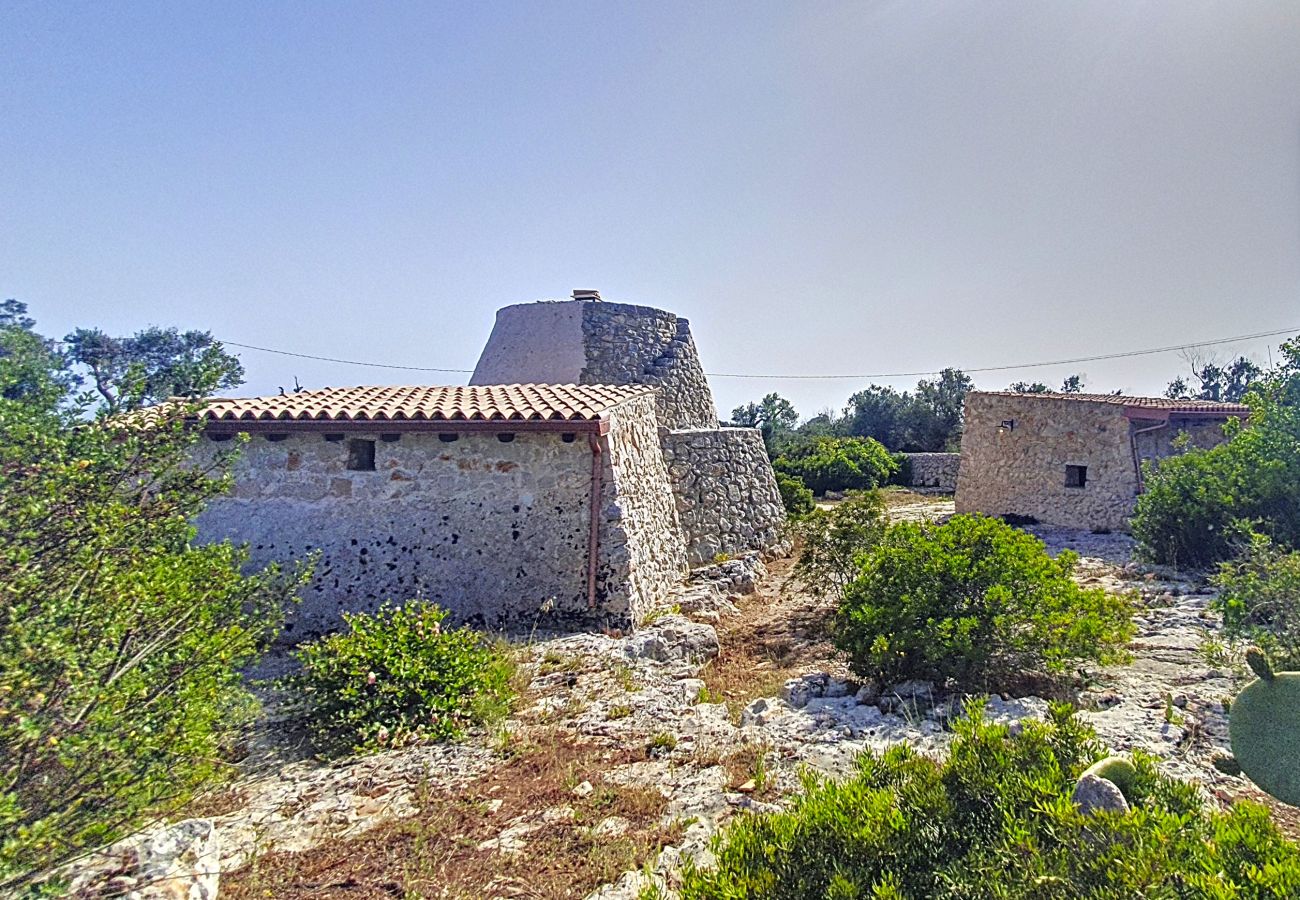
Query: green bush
[[838, 464], [795, 496], [974, 602], [836, 540], [398, 677], [995, 820], [1259, 598], [903, 473], [121, 642], [1197, 505]]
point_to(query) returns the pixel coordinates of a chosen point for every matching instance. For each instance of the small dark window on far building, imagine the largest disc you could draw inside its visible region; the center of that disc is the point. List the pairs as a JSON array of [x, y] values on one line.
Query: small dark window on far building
[[1076, 476], [361, 455]]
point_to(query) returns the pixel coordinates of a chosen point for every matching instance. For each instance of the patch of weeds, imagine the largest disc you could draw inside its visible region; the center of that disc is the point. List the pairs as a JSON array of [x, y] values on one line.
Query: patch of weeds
[[619, 711], [720, 558], [655, 615], [553, 661], [706, 695], [626, 678], [1172, 715], [748, 767], [661, 744]]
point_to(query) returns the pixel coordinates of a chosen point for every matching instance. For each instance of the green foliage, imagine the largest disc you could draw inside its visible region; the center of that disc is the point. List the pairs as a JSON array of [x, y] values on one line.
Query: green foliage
[[836, 540], [398, 677], [774, 416], [1198, 505], [1259, 598], [975, 602], [795, 496], [995, 820], [121, 641], [1264, 723], [1229, 384], [838, 464], [928, 420], [153, 365]]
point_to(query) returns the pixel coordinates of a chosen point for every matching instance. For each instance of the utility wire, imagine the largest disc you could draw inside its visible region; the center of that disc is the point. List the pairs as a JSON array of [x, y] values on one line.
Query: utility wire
[[1030, 365]]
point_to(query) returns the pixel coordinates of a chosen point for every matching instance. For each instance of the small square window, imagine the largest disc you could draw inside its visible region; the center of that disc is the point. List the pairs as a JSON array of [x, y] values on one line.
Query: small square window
[[361, 456], [1076, 476]]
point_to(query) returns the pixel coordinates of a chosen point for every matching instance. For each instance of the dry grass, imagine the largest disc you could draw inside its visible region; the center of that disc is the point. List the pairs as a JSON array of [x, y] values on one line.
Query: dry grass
[[437, 853]]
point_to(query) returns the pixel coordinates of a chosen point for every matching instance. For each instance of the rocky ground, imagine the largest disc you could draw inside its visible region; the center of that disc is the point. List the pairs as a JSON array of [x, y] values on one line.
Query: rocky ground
[[628, 753]]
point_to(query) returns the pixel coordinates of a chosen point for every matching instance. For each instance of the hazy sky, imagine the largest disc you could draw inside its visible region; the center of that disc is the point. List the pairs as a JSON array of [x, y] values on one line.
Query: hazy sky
[[818, 187]]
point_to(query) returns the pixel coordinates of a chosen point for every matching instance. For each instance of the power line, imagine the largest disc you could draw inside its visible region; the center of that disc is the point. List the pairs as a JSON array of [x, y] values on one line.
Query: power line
[[1030, 365]]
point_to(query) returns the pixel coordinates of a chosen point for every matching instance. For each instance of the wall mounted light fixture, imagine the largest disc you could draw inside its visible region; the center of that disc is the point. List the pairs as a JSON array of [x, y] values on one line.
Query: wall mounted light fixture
[[1006, 425]]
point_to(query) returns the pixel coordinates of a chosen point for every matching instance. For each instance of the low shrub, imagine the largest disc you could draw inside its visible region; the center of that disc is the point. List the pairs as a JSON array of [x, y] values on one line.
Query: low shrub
[[838, 464], [835, 540], [398, 677], [995, 820], [1197, 505], [1259, 598], [976, 603], [795, 496]]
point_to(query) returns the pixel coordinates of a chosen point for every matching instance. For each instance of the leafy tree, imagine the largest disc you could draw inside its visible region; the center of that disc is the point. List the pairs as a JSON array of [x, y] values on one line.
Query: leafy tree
[[1072, 385], [1198, 505], [879, 413], [774, 416], [934, 420], [153, 365], [795, 496], [121, 640], [1024, 387], [1227, 384], [975, 603]]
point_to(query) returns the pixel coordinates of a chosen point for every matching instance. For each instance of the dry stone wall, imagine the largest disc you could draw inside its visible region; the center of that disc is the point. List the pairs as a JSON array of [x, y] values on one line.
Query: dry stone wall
[[727, 499], [1019, 468], [628, 344], [643, 554], [934, 471]]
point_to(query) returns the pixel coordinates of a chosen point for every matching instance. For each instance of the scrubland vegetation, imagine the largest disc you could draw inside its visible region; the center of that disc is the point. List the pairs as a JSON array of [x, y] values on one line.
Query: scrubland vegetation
[[996, 819]]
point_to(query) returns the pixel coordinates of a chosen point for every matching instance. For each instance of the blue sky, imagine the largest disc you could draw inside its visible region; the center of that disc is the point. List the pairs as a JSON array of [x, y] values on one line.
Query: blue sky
[[820, 187]]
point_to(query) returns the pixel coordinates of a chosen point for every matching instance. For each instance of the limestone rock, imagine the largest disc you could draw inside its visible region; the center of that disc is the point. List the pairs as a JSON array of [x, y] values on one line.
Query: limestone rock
[[674, 638], [1093, 793]]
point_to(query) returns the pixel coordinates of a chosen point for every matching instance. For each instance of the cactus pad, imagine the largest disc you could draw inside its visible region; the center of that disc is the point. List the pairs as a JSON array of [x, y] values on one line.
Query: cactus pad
[[1264, 725], [1118, 771]]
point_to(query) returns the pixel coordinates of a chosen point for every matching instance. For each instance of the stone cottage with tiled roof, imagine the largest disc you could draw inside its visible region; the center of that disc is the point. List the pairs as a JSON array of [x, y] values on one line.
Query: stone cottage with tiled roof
[[572, 503], [1074, 459]]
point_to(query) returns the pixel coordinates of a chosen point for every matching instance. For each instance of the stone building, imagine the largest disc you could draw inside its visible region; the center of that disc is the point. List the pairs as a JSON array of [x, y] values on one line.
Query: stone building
[[573, 483], [726, 493], [1073, 459]]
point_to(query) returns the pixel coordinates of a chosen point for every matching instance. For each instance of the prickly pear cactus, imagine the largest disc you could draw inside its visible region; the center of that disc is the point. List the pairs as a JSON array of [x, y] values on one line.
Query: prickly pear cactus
[[1264, 725], [1118, 771]]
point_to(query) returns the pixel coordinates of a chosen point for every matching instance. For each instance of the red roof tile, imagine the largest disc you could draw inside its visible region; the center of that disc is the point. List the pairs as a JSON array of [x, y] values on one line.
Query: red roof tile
[[476, 403], [1163, 404]]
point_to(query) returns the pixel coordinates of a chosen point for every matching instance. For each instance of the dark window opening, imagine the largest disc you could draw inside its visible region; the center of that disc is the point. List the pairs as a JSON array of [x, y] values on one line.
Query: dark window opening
[[1076, 476], [334, 438], [219, 438], [390, 438], [506, 437], [276, 438], [448, 438], [568, 437], [361, 456]]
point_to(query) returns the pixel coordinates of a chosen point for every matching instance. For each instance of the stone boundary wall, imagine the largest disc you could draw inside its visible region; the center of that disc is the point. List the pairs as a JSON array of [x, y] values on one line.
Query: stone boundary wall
[[727, 499], [934, 471], [628, 344]]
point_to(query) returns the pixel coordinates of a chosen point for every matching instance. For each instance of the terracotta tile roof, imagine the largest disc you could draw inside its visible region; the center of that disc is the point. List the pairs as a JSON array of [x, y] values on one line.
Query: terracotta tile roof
[[478, 403], [1161, 404]]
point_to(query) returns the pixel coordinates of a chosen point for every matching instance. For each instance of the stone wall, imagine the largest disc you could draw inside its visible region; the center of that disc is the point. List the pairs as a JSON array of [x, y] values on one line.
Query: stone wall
[[643, 554], [727, 498], [934, 471], [1160, 443], [628, 344], [490, 530], [1020, 469]]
